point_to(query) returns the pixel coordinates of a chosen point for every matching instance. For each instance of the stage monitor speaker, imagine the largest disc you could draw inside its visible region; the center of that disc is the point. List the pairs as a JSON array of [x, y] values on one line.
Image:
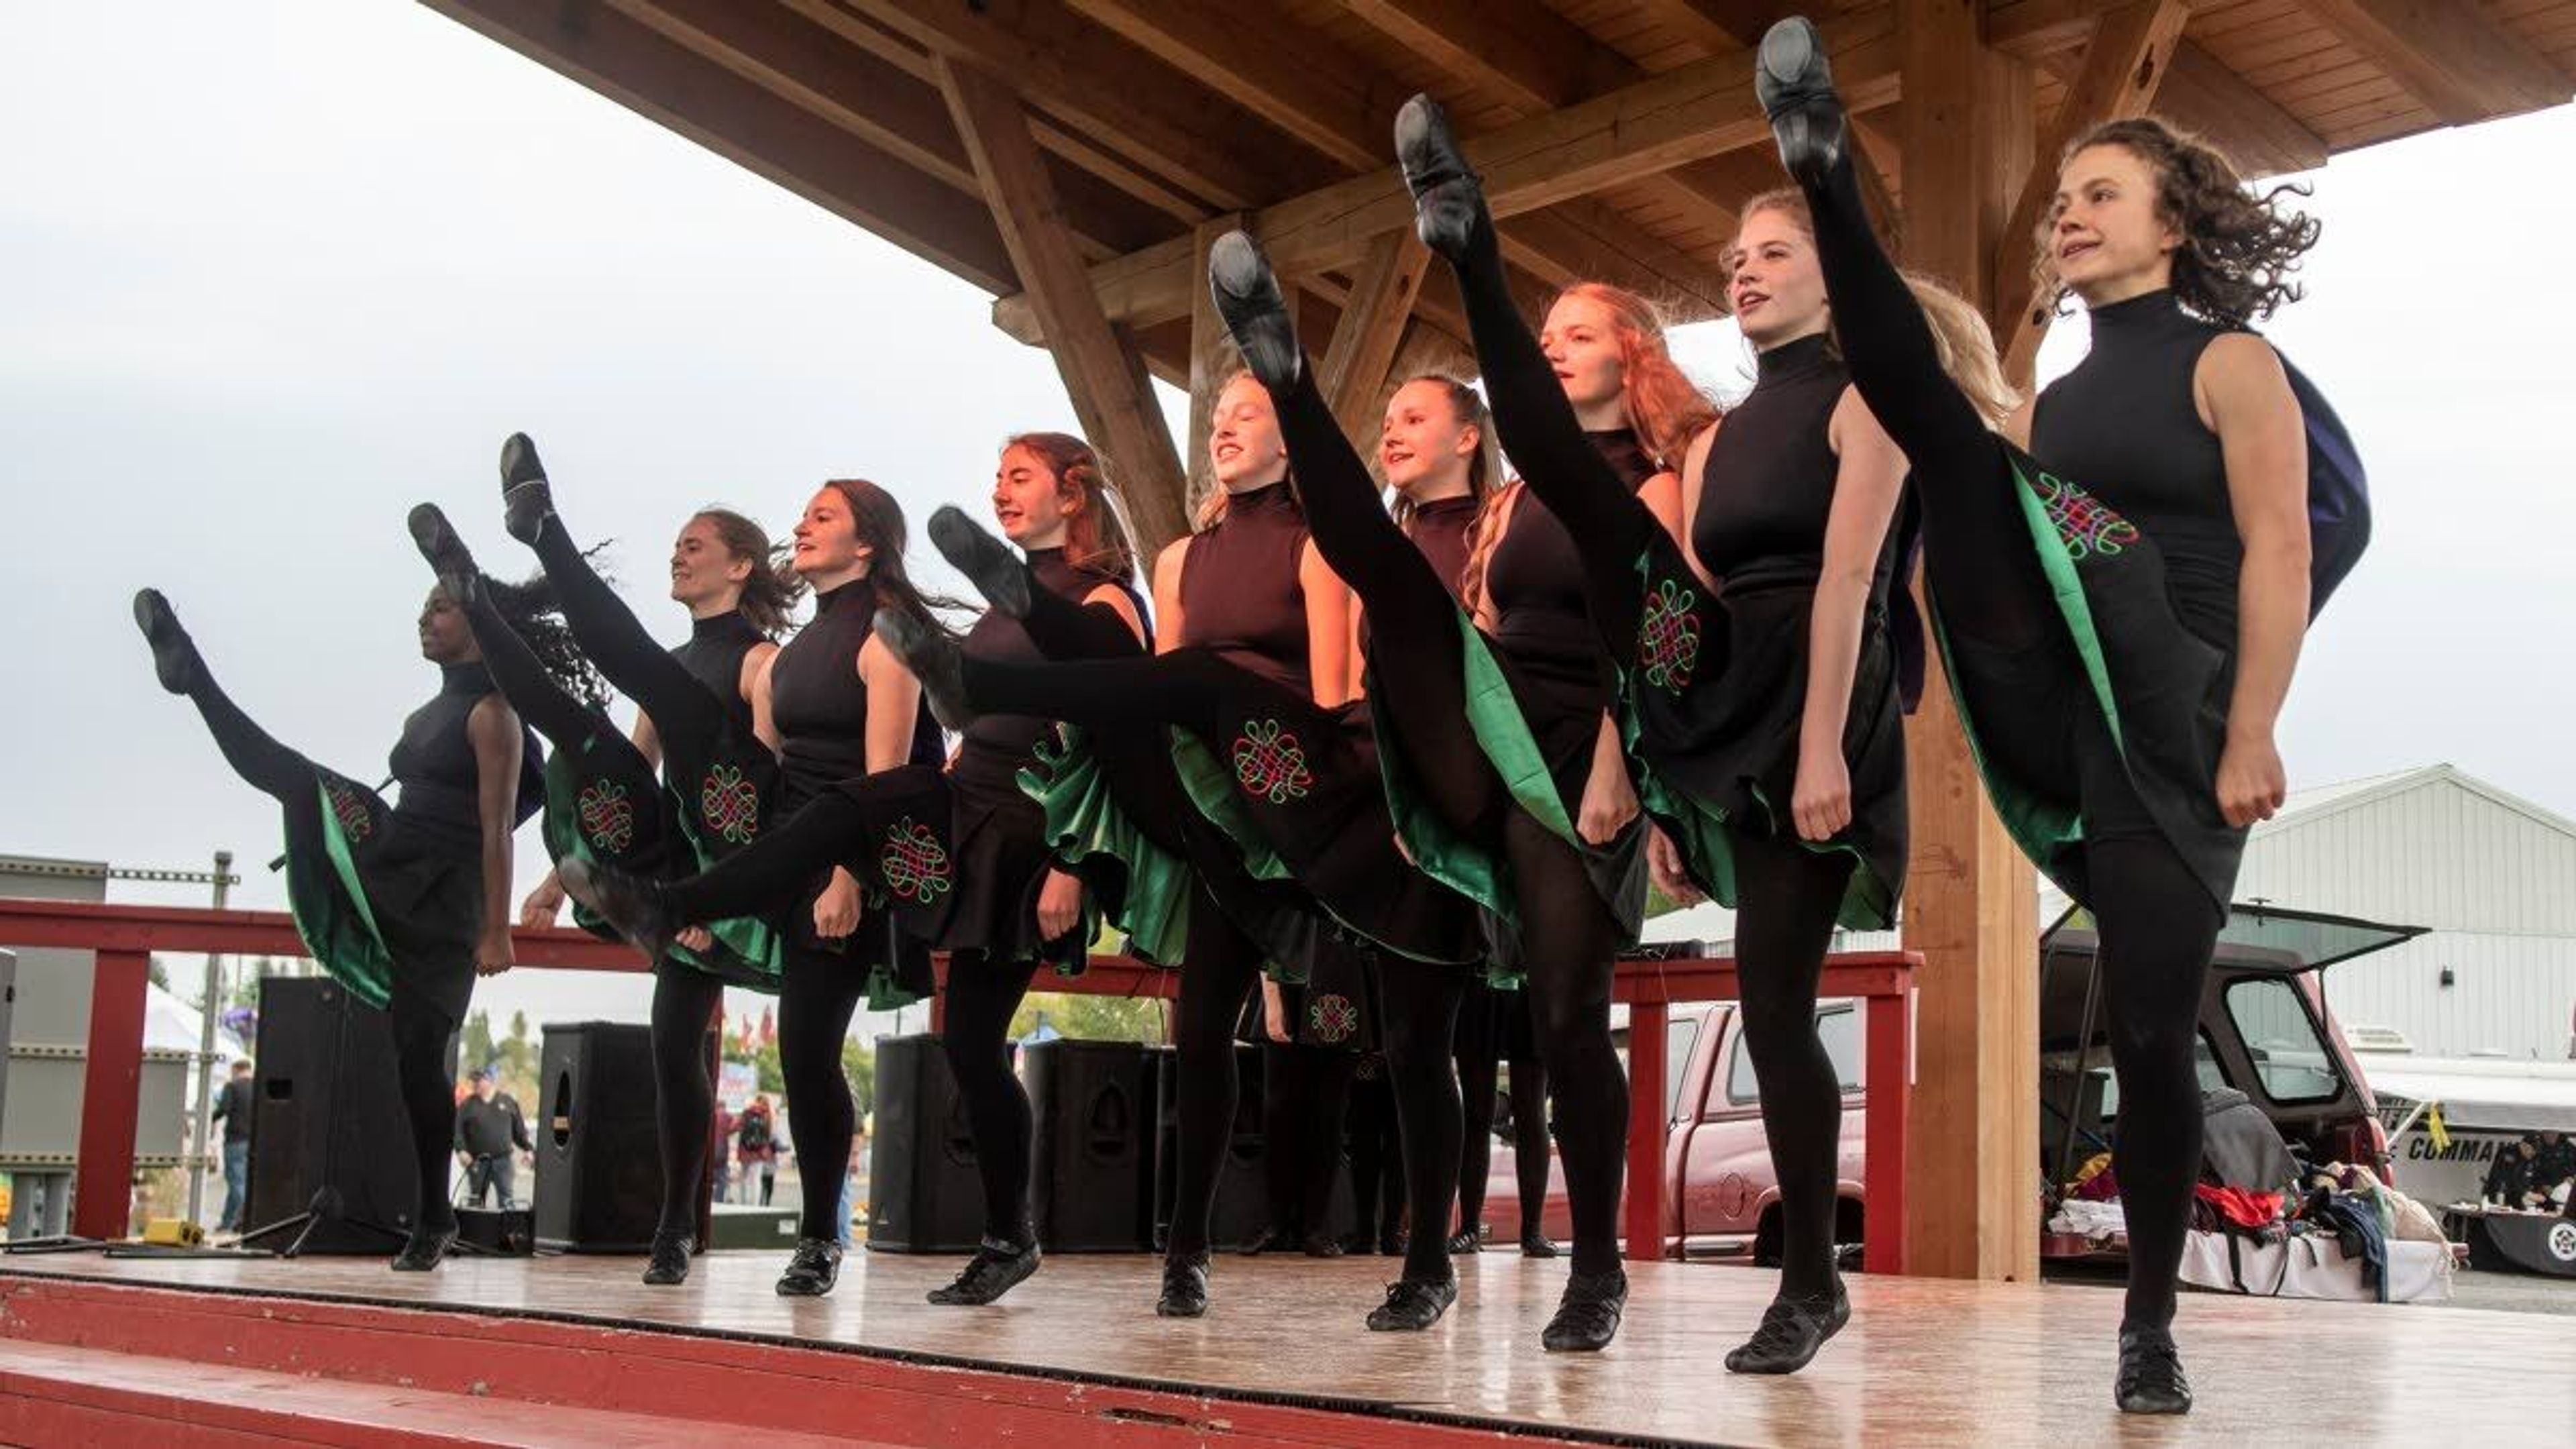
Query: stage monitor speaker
[[924, 1191], [1242, 1196], [599, 1165], [328, 1133], [1092, 1186], [497, 1232]]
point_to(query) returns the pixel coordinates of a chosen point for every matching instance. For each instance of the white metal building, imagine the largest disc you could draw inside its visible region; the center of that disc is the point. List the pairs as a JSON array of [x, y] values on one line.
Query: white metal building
[[2492, 875]]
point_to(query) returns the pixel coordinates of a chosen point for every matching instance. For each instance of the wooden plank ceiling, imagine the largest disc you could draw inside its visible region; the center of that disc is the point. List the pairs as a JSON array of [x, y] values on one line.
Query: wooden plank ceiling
[[1619, 134]]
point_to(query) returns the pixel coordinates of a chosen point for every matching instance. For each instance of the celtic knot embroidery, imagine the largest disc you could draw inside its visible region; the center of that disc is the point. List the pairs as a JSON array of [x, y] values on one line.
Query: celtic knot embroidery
[[729, 805], [914, 864], [1270, 764], [2083, 524], [1668, 636], [607, 817], [357, 822], [1333, 1018]]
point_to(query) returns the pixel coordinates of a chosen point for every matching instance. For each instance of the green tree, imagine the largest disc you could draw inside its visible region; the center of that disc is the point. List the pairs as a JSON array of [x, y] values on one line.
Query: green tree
[[1092, 1018], [859, 1064], [773, 1076], [478, 1039]]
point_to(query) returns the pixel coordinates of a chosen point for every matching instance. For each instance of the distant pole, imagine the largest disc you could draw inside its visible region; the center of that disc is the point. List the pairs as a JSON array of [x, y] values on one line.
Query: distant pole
[[206, 1049]]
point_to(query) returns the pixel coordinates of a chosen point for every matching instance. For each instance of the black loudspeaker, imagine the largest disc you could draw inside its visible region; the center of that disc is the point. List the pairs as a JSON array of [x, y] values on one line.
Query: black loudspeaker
[[1092, 1187], [328, 1133], [499, 1232], [599, 1166], [924, 1194], [1242, 1197]]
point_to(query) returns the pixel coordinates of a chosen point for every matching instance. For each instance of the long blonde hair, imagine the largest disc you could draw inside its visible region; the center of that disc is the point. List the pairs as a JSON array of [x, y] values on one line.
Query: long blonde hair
[[1211, 509]]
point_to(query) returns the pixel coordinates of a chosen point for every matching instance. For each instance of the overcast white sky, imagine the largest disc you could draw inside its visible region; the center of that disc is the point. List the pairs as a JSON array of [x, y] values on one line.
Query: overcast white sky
[[273, 271]]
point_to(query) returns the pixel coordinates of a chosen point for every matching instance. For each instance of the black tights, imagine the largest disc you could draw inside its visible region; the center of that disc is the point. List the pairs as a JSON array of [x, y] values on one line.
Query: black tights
[[1303, 1090], [2158, 922], [1223, 968], [1569, 938], [424, 1036], [1528, 1088], [779, 870], [684, 1089], [687, 717], [1417, 1026], [1790, 896], [818, 996], [983, 995], [1377, 1147]]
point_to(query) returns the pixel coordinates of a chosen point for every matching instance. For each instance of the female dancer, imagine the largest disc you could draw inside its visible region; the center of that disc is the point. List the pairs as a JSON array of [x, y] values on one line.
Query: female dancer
[[1766, 710], [843, 706], [1505, 780], [1259, 639], [700, 704], [2120, 655], [1494, 1032], [972, 850], [403, 905]]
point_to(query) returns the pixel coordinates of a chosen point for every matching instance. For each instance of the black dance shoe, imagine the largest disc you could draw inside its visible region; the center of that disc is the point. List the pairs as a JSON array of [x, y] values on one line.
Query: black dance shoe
[[1465, 1241], [1320, 1245], [424, 1249], [1796, 88], [996, 1269], [668, 1262], [986, 561], [447, 554], [1587, 1317], [813, 1271], [526, 501], [1395, 1244], [2151, 1379], [1413, 1304], [1255, 311], [1791, 1332], [933, 659], [1448, 200], [630, 904], [1271, 1239], [1185, 1288], [174, 654], [1535, 1244]]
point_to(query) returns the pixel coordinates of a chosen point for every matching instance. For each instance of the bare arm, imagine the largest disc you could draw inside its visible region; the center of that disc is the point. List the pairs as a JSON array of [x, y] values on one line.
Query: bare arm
[[1167, 595], [1328, 627], [1867, 482], [493, 730], [648, 743], [2017, 427], [1116, 601], [894, 704], [2245, 397], [1685, 505], [755, 692]]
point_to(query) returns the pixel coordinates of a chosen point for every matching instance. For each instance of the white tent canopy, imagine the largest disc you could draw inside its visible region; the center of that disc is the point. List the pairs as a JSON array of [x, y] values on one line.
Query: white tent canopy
[[2479, 1095]]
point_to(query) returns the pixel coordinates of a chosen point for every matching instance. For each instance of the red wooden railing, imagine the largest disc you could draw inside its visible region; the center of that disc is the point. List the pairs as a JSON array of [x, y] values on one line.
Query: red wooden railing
[[123, 938]]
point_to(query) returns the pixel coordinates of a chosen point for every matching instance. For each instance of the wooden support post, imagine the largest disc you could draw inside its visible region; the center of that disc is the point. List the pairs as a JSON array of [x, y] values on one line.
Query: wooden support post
[[1353, 373], [1649, 1130], [2125, 65], [1973, 1184], [1101, 368], [111, 1095]]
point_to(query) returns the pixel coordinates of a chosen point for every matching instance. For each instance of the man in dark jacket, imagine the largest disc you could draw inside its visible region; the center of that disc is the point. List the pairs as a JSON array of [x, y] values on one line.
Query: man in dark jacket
[[489, 1130], [233, 1109], [2509, 1176], [2552, 1164]]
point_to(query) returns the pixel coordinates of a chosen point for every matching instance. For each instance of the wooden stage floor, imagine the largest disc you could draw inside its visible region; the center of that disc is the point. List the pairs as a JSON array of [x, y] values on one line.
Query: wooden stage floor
[[1924, 1361]]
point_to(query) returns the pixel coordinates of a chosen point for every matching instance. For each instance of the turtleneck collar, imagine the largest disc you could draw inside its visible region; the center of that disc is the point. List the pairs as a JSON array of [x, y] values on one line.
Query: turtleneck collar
[[859, 593], [468, 678], [718, 628], [1625, 452], [1268, 498], [2141, 316], [1444, 507], [1790, 359]]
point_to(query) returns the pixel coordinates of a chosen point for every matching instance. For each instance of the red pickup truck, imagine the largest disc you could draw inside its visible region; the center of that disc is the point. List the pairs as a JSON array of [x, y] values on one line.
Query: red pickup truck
[[2264, 1030]]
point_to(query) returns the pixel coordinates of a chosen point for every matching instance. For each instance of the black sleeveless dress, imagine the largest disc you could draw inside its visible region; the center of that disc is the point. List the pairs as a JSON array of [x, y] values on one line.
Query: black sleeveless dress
[[2116, 729], [604, 803], [1719, 684], [390, 898], [819, 704], [1296, 786], [995, 833]]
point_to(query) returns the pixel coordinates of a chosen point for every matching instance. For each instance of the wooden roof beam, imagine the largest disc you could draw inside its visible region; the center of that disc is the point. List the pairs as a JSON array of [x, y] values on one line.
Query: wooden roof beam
[[1127, 100], [2454, 58], [748, 125], [2033, 28], [880, 103], [1720, 27], [1352, 375], [1103, 372], [2123, 68], [1696, 111], [2200, 94]]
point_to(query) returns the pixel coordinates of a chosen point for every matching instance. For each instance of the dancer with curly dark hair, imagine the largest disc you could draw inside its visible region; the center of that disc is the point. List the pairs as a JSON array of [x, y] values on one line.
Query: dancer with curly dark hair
[[404, 904], [2120, 650], [708, 700]]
